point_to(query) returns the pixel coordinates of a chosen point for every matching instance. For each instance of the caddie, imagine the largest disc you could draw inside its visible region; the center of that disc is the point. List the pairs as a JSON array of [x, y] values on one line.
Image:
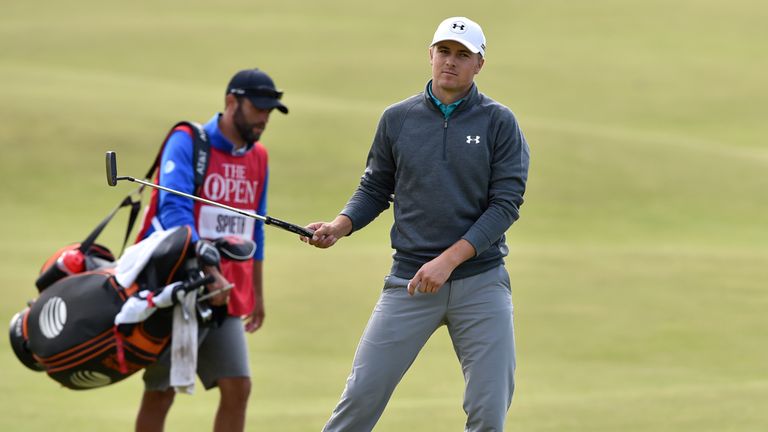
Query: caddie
[[237, 176]]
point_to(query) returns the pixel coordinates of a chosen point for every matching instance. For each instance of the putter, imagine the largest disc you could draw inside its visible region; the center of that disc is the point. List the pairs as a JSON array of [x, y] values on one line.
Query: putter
[[113, 178]]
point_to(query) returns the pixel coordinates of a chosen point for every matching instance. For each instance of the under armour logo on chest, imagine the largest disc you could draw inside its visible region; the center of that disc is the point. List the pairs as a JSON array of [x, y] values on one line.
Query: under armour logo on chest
[[475, 139]]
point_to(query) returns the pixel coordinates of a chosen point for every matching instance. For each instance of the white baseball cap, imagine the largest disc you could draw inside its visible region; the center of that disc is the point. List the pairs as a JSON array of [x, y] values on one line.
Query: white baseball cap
[[462, 30]]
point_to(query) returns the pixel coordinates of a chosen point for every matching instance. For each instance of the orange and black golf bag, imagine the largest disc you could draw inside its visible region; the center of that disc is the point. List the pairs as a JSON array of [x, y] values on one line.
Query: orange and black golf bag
[[69, 331]]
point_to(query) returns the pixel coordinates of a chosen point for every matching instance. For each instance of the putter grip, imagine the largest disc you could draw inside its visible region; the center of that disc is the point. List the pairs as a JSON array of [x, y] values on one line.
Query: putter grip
[[289, 227]]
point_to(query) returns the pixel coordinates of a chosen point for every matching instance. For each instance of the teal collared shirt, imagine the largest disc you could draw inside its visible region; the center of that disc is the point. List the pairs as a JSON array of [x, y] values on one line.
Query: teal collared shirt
[[447, 110]]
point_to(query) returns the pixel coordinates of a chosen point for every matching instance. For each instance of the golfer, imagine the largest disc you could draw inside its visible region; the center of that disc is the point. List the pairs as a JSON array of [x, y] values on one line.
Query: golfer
[[454, 163]]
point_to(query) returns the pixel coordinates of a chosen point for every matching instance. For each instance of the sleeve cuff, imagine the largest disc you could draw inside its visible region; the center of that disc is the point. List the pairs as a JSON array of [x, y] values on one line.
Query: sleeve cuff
[[478, 240]]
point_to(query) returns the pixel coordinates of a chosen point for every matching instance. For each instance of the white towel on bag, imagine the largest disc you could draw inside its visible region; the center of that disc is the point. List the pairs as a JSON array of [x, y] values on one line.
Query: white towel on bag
[[135, 257], [184, 345]]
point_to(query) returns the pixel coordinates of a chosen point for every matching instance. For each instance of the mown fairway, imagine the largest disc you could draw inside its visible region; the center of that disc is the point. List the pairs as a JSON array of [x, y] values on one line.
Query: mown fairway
[[639, 265]]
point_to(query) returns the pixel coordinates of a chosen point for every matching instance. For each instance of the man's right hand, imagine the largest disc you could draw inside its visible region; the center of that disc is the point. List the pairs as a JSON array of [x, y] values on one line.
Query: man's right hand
[[328, 233], [219, 283]]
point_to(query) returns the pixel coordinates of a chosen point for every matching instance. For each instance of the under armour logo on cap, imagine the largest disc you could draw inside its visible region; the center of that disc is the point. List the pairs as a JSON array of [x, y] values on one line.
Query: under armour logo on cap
[[462, 30], [458, 27]]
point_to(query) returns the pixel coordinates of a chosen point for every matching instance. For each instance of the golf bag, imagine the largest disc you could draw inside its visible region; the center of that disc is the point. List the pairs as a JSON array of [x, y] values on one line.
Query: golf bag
[[69, 331]]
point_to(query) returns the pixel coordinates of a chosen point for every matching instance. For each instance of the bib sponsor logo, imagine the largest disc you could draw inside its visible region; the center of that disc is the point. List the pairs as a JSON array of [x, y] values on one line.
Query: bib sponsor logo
[[231, 186]]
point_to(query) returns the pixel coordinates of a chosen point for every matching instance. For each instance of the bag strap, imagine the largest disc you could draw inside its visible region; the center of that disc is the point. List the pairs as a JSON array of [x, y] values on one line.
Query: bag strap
[[129, 200], [201, 150]]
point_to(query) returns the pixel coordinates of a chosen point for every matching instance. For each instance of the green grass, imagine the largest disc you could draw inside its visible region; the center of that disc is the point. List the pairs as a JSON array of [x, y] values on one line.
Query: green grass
[[638, 265]]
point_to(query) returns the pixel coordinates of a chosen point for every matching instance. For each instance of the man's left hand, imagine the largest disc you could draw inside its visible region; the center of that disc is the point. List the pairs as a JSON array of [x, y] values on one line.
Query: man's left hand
[[432, 275]]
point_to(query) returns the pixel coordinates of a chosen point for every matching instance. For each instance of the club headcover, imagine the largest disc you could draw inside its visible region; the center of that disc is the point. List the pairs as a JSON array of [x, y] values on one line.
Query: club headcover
[[207, 253], [236, 248]]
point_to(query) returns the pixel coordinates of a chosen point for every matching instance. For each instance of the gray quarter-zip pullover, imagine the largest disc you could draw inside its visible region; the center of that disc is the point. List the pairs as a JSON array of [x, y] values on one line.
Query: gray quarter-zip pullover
[[461, 177]]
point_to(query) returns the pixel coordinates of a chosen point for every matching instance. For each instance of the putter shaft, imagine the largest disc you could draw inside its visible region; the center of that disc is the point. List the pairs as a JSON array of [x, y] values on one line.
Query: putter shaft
[[112, 179], [197, 198]]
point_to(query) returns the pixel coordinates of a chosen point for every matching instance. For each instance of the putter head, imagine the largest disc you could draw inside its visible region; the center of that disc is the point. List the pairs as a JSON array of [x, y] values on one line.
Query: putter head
[[111, 168]]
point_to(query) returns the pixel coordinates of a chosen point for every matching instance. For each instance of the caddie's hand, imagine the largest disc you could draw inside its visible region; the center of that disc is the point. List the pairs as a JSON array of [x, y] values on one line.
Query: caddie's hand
[[255, 319], [219, 283]]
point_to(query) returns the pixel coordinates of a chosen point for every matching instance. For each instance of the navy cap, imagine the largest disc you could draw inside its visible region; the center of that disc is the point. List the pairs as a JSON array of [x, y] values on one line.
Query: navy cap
[[258, 87]]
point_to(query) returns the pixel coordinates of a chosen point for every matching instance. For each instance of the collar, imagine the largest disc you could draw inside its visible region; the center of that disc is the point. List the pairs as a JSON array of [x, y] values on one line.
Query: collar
[[447, 110], [220, 142]]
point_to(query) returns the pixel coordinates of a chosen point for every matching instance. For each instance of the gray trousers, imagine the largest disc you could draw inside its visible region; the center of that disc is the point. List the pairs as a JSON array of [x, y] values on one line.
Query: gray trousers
[[478, 313]]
